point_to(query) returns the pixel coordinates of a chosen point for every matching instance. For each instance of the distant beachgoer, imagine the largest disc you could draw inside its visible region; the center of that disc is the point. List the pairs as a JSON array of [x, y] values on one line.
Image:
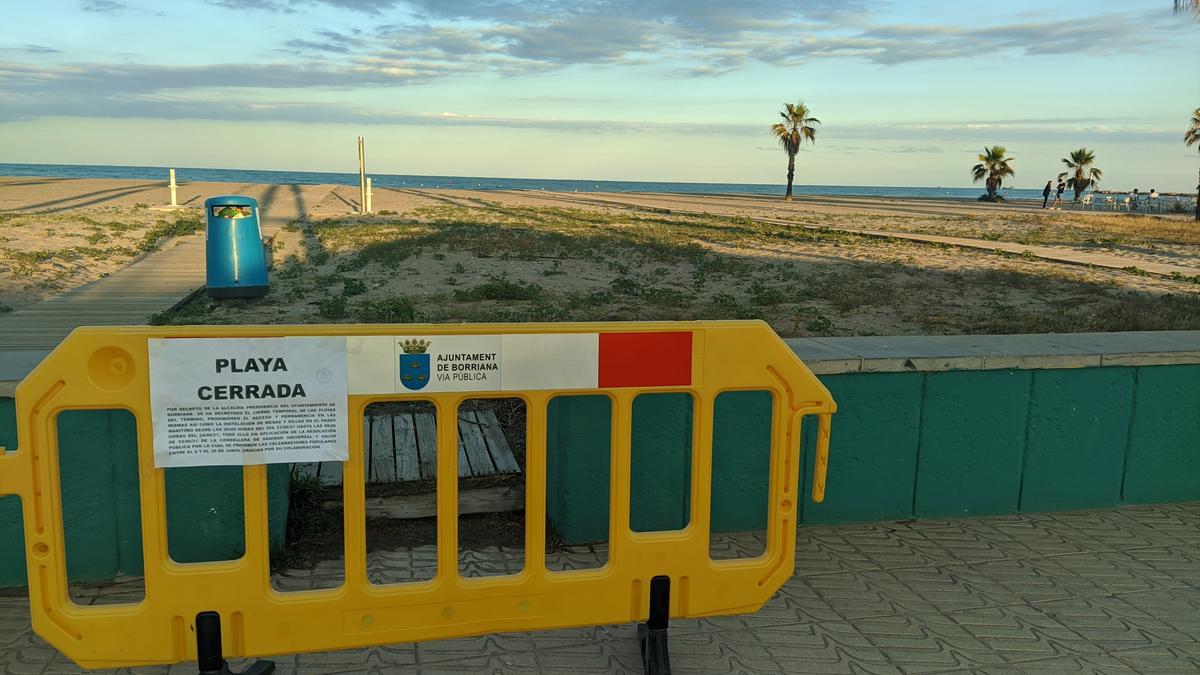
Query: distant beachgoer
[[1046, 193], [1133, 199], [1058, 194], [1153, 193]]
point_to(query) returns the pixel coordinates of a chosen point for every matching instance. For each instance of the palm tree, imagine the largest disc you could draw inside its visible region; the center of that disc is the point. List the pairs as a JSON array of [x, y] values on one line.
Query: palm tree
[[1086, 175], [992, 168], [1192, 137], [795, 128], [1193, 6]]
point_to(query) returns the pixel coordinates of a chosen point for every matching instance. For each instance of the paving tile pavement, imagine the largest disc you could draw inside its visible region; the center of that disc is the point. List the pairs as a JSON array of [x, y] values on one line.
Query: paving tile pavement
[[1099, 591]]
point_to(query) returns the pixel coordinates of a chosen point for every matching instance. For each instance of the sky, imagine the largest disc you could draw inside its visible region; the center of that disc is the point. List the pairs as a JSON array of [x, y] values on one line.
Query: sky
[[908, 93]]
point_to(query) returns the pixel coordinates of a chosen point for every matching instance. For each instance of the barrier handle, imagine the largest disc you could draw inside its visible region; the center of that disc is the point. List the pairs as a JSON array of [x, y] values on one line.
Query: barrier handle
[[8, 466], [821, 465]]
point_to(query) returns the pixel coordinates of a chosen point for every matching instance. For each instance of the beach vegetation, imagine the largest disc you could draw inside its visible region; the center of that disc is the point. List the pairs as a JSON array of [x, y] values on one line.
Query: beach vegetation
[[486, 263], [993, 167], [43, 253], [333, 307], [1080, 173], [762, 294], [729, 306], [396, 309], [810, 320], [797, 127], [499, 288], [353, 287], [187, 223]]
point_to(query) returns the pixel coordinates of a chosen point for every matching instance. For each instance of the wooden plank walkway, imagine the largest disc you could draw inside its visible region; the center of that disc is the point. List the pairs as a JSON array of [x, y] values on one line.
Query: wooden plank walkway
[[403, 447], [155, 283]]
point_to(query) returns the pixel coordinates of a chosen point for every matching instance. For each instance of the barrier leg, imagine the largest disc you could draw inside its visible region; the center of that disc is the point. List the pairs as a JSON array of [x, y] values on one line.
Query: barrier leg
[[209, 656], [656, 658]]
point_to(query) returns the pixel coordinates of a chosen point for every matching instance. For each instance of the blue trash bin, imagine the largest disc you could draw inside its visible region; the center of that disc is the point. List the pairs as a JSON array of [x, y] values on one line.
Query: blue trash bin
[[236, 259]]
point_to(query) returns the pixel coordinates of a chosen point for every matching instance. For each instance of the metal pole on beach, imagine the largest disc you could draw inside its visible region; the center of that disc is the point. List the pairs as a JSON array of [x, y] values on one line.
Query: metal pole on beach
[[173, 202], [362, 177], [370, 194]]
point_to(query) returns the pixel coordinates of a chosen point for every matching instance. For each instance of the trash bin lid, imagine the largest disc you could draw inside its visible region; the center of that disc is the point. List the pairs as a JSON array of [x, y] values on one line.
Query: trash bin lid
[[229, 200]]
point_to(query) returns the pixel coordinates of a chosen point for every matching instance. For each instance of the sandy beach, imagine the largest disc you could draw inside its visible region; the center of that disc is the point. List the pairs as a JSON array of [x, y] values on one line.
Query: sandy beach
[[60, 234]]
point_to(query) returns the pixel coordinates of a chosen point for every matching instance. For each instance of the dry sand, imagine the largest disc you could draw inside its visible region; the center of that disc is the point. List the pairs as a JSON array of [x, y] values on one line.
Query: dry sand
[[58, 234], [925, 283]]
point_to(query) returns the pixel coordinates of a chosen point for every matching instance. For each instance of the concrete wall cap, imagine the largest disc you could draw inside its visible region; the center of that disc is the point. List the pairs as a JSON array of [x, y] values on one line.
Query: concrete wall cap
[[910, 353], [935, 353]]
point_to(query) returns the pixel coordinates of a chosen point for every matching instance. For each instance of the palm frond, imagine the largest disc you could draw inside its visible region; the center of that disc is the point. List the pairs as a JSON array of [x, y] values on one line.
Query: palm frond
[[1192, 135], [993, 165], [1080, 164], [797, 127]]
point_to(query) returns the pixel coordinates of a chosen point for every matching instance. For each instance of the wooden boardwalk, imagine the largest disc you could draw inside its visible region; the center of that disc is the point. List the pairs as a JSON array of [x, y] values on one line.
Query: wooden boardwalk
[[403, 447], [155, 283]]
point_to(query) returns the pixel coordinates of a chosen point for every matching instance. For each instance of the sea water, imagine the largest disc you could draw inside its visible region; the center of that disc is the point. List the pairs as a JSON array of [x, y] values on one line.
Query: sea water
[[244, 176]]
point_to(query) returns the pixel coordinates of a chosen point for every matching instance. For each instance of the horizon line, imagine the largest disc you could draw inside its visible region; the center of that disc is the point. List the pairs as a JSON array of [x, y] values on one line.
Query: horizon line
[[781, 184]]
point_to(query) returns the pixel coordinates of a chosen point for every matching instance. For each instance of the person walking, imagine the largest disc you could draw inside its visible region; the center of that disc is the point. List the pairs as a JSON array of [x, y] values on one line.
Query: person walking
[[1046, 193], [1057, 205]]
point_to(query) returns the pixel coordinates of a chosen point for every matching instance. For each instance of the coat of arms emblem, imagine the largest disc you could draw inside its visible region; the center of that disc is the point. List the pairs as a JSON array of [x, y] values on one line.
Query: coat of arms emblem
[[414, 364]]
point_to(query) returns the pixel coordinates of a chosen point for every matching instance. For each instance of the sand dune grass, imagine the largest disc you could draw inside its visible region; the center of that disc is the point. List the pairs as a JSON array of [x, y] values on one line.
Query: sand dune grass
[[514, 263], [42, 254]]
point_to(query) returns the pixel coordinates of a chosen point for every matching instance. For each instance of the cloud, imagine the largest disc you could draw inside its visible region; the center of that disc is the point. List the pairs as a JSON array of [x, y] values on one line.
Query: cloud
[[245, 5], [897, 44], [330, 41], [103, 6], [713, 38], [899, 150], [432, 40], [38, 50], [172, 107], [290, 7]]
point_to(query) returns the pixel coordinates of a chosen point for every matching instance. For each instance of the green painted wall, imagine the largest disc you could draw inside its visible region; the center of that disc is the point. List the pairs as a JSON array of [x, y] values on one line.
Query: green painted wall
[[927, 445], [972, 439], [660, 462], [578, 447], [741, 459], [99, 478], [1163, 462], [874, 435], [1077, 435], [12, 542], [101, 513], [904, 445]]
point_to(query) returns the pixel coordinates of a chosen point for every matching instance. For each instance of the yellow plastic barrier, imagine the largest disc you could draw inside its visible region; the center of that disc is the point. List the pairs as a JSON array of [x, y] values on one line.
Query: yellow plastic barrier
[[109, 368]]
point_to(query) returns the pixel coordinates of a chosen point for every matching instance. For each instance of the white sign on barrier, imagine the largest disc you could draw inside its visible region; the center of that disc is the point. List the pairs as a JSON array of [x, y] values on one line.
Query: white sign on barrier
[[240, 401]]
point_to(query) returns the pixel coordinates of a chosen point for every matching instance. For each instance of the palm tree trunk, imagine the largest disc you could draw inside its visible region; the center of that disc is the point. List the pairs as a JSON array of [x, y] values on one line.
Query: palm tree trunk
[[791, 174], [991, 189]]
